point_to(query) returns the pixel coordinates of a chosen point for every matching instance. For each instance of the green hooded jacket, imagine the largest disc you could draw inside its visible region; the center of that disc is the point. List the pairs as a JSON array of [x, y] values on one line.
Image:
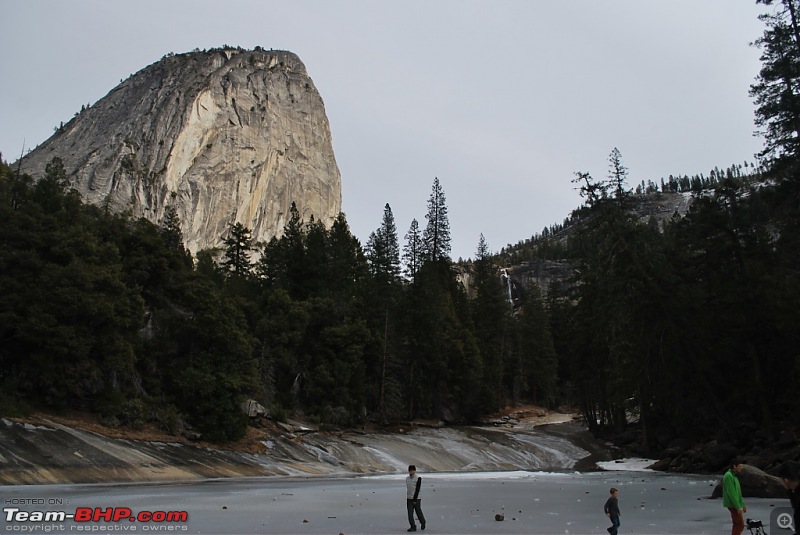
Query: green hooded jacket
[[731, 491]]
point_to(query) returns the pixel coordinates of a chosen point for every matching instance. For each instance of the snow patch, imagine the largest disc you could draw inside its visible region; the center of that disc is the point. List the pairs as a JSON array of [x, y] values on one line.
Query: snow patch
[[632, 464]]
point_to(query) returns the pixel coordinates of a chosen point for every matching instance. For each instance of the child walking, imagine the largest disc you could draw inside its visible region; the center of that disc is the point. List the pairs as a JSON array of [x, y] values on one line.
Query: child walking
[[611, 509]]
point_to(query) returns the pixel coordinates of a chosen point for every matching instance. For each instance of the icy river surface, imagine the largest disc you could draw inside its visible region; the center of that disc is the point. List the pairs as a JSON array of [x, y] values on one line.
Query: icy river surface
[[453, 503], [354, 484]]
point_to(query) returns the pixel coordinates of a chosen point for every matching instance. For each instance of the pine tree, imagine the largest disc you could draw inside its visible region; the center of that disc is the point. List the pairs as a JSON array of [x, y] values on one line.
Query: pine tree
[[617, 174], [412, 251], [316, 259], [538, 354], [293, 253], [436, 236], [172, 236], [348, 266], [383, 250], [269, 267], [50, 191], [13, 186], [776, 92], [614, 275], [171, 228], [589, 189], [238, 246], [491, 311], [383, 255]]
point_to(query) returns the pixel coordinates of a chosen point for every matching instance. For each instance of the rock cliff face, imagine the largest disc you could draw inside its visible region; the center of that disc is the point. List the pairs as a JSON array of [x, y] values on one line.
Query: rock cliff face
[[225, 136]]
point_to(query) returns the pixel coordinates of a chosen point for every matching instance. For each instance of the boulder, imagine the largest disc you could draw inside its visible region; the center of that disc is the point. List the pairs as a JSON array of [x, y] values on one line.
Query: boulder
[[253, 409], [718, 456], [755, 484]]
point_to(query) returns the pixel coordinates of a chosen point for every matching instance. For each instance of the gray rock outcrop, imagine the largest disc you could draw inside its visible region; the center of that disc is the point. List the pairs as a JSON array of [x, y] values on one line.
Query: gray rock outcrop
[[41, 451], [755, 483], [225, 136]]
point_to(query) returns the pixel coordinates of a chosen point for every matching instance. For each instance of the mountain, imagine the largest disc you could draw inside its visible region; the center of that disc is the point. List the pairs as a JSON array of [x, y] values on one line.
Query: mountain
[[545, 260], [225, 136]]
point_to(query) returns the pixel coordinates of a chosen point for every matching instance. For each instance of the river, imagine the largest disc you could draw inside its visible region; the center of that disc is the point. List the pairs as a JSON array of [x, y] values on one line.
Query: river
[[454, 503], [542, 479]]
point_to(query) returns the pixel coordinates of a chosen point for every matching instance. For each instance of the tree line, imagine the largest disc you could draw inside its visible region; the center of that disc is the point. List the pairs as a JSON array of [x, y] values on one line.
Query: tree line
[[691, 331], [682, 329], [104, 312], [540, 246]]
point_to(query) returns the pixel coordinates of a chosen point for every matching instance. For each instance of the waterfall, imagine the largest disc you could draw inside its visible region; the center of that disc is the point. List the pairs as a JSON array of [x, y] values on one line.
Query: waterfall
[[504, 276]]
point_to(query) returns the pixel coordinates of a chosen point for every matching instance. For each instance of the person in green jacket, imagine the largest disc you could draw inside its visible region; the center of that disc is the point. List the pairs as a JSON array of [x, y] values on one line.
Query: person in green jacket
[[732, 496]]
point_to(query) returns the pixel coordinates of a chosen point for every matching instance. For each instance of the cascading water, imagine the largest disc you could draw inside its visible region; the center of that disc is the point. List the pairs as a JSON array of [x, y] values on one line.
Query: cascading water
[[504, 276]]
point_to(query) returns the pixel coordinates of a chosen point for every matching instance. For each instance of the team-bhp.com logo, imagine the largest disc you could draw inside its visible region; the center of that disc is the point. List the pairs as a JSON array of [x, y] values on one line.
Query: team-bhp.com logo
[[85, 516]]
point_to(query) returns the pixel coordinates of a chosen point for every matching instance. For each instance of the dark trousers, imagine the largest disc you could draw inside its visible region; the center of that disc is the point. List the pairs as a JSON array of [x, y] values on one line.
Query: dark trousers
[[614, 525], [415, 505]]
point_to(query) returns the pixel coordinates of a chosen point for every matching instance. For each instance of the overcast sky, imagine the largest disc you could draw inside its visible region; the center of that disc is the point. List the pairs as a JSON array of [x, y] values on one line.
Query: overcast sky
[[502, 100]]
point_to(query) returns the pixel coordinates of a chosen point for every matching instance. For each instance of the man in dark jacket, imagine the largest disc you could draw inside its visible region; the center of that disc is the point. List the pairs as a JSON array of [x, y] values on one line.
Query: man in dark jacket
[[789, 473], [413, 488]]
